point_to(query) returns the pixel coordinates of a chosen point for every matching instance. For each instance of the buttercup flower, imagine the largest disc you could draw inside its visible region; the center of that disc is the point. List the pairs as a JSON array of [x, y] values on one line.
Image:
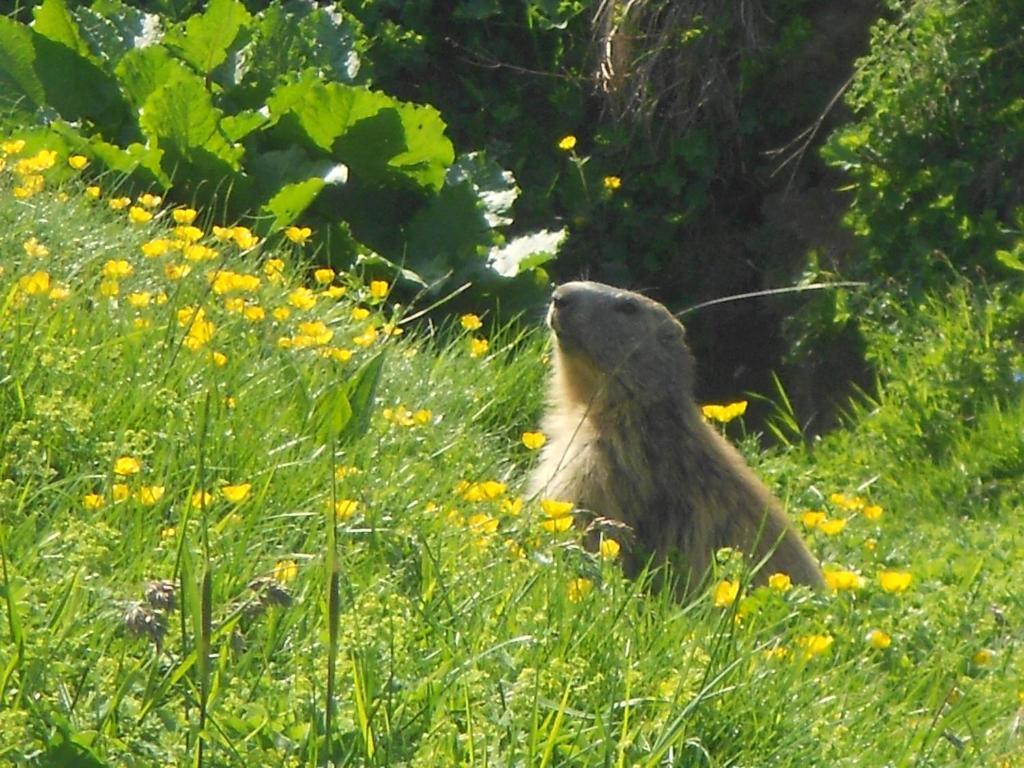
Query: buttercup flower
[[567, 143], [126, 465], [533, 440], [298, 235], [878, 639], [780, 581], [578, 589], [236, 494], [470, 322], [725, 593], [895, 581]]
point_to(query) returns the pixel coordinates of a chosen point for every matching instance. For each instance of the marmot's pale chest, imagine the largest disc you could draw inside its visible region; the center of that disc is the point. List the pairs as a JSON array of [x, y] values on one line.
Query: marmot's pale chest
[[627, 441]]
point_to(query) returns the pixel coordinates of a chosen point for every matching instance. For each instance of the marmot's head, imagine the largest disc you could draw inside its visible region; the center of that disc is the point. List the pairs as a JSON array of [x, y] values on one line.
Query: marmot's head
[[616, 345]]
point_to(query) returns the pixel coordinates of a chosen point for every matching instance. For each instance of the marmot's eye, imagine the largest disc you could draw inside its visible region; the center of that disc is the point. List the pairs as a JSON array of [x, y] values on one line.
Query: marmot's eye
[[627, 305]]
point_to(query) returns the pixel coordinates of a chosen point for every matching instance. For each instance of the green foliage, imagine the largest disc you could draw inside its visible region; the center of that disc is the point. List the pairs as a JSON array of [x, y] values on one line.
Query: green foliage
[[267, 114], [460, 631], [935, 151]]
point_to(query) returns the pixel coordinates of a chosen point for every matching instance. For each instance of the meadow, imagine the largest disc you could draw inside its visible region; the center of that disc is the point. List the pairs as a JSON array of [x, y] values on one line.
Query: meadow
[[251, 514]]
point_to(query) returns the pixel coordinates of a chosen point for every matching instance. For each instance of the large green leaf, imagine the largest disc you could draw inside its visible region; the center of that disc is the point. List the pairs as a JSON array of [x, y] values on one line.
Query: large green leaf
[[144, 70], [111, 29], [18, 79], [331, 413], [361, 392], [288, 204], [321, 112], [297, 35], [208, 36], [53, 21], [182, 120], [77, 88], [428, 152]]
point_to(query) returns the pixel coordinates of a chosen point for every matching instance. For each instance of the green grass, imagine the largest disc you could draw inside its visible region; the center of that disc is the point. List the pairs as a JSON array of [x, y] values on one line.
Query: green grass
[[456, 644]]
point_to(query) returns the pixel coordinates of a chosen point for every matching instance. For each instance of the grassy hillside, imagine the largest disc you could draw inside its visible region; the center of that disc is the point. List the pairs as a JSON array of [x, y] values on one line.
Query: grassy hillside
[[179, 473]]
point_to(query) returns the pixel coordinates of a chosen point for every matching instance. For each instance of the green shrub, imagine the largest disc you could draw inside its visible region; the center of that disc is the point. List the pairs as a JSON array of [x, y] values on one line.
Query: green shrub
[[936, 151], [266, 115]]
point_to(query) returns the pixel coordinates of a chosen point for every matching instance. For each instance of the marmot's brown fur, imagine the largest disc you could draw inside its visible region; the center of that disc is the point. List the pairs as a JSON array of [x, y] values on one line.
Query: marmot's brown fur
[[627, 442]]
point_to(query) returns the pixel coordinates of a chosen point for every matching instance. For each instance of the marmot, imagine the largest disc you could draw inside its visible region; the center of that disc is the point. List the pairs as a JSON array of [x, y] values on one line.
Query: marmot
[[627, 442]]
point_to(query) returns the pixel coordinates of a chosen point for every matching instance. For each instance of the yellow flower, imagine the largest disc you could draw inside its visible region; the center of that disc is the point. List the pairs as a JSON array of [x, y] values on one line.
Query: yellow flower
[[119, 203], [488, 490], [379, 289], [338, 354], [157, 247], [93, 501], [302, 298], [285, 571], [839, 581], [422, 417], [872, 512], [30, 185], [188, 233], [533, 440], [878, 639], [515, 549], [200, 330], [225, 281], [557, 524], [166, 534], [482, 523], [298, 235], [554, 508], [244, 238], [199, 252], [115, 269], [139, 215], [223, 233], [347, 470], [110, 288], [184, 215], [149, 495], [725, 593], [35, 249], [236, 494], [724, 413], [366, 338], [335, 291], [219, 359], [202, 499], [812, 518], [578, 589], [815, 645], [359, 313], [58, 293], [780, 581], [832, 527], [345, 508], [317, 331], [847, 502], [281, 314], [612, 182], [253, 313], [478, 347], [777, 653], [324, 275], [983, 657], [149, 201], [470, 322], [12, 146], [119, 492], [567, 143], [126, 465], [274, 269], [92, 192], [177, 271], [512, 506], [35, 283], [609, 549], [895, 581]]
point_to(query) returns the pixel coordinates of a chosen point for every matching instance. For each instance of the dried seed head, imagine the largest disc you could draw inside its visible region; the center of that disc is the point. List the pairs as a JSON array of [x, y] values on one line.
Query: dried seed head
[[139, 619], [160, 594]]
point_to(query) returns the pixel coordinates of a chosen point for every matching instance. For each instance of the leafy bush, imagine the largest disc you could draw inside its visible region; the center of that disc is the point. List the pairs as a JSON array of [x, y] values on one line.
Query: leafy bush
[[267, 114], [936, 152]]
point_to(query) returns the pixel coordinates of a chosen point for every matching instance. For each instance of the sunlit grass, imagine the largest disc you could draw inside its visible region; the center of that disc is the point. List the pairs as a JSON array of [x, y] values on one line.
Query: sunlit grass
[[168, 487]]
